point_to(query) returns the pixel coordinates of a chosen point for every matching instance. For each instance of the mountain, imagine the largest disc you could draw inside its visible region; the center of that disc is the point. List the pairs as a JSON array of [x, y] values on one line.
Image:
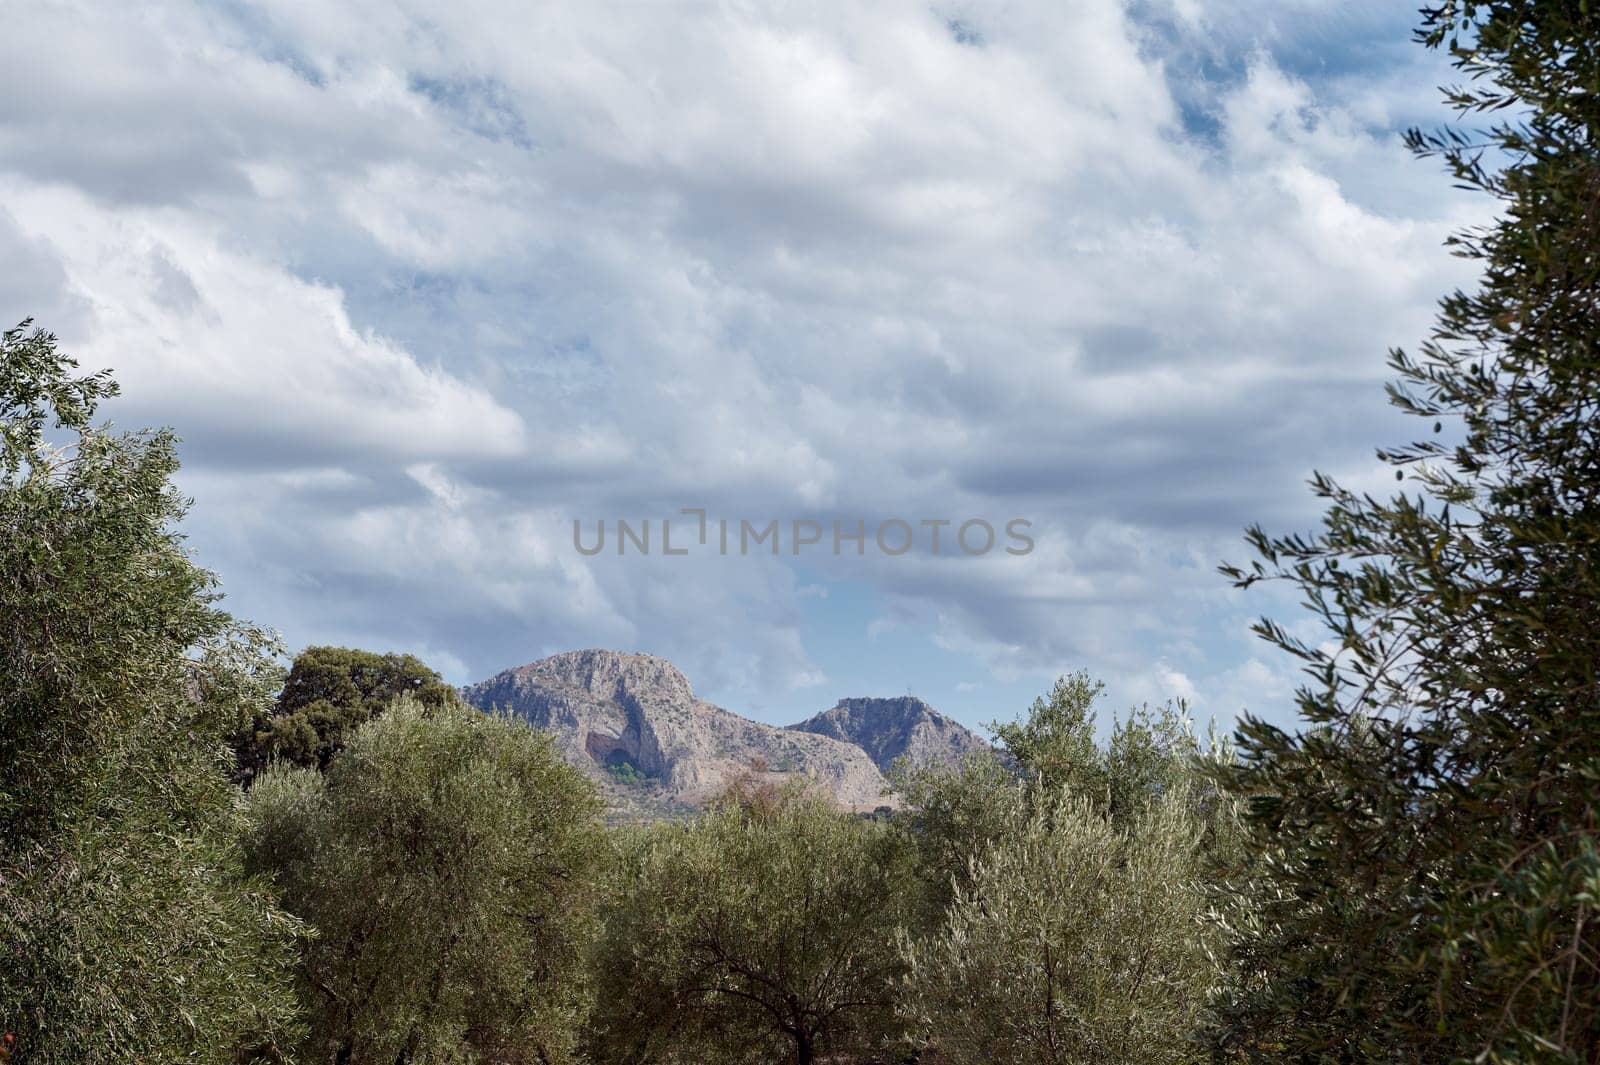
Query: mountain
[[888, 729], [632, 722]]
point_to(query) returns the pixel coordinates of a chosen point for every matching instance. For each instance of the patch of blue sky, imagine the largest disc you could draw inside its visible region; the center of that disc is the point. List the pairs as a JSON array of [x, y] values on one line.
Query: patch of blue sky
[[480, 105], [1338, 49], [866, 648], [964, 32], [253, 29]]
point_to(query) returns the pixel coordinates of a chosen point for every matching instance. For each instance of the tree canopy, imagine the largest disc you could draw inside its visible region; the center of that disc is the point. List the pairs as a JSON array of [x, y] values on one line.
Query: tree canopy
[[762, 930], [128, 926], [1428, 839], [329, 692], [1068, 882], [445, 860]]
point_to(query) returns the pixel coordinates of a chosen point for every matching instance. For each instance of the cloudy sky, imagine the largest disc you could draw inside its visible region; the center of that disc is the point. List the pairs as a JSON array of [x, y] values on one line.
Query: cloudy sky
[[422, 282]]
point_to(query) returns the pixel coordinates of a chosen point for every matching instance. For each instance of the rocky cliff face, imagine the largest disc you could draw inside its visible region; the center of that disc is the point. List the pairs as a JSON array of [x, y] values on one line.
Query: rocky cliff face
[[888, 729], [633, 723]]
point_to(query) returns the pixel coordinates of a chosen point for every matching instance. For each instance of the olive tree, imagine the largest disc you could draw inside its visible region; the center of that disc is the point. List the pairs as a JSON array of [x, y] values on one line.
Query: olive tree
[[129, 930], [1078, 924], [1429, 833], [762, 930], [445, 861], [1078, 942]]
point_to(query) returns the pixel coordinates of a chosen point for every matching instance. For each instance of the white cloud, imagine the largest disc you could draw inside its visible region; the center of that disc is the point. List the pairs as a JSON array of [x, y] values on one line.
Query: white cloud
[[241, 352], [422, 282]]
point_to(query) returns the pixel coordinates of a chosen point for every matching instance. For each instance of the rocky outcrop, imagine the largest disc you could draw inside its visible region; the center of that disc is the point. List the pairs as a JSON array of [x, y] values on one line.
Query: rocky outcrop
[[901, 727], [632, 722]]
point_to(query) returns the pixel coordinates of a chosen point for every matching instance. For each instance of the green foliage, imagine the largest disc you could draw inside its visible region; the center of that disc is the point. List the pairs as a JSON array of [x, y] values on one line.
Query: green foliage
[[1428, 841], [762, 930], [952, 814], [1054, 743], [329, 692], [625, 772], [1068, 888], [1150, 752], [1076, 941], [128, 930], [446, 860], [97, 601]]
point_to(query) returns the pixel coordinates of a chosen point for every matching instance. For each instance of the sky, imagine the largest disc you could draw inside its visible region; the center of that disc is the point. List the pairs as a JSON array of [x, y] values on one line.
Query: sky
[[425, 284]]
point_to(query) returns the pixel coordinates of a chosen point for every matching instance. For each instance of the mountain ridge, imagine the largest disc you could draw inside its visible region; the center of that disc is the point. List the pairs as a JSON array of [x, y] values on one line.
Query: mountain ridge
[[895, 727], [633, 724]]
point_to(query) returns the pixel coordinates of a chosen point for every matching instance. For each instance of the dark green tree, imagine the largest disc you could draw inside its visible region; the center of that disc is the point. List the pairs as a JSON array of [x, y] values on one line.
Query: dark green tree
[[128, 929], [446, 861], [330, 691], [1428, 838]]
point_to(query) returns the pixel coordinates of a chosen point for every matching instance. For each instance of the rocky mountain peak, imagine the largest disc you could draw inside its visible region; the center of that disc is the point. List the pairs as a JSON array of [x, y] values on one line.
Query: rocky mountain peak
[[900, 726], [611, 675]]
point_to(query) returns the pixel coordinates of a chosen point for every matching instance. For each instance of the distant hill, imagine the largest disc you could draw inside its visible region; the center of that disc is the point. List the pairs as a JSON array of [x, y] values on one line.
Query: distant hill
[[887, 729], [632, 722]]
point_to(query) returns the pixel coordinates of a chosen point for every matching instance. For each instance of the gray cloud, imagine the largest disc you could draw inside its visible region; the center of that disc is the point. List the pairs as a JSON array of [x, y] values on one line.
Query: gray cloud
[[420, 283]]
